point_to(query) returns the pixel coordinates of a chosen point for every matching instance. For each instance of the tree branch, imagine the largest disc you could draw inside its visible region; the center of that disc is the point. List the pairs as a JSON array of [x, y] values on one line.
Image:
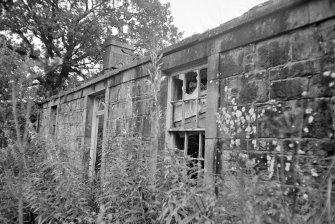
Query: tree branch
[[90, 11], [22, 52], [25, 39]]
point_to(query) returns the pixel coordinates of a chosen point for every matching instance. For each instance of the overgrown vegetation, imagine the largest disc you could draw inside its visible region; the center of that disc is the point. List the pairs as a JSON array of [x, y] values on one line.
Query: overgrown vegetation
[[40, 183], [55, 192]]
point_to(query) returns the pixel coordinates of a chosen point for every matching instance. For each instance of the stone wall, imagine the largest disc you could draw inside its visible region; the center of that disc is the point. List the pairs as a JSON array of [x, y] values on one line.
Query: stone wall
[[129, 121], [70, 126], [270, 78], [129, 104], [276, 102]]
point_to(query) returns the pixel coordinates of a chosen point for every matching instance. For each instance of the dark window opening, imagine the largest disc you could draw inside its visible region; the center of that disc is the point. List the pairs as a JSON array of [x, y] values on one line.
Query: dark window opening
[[202, 151], [193, 150], [203, 79], [98, 154], [191, 82], [53, 120], [195, 144], [179, 140], [178, 88]]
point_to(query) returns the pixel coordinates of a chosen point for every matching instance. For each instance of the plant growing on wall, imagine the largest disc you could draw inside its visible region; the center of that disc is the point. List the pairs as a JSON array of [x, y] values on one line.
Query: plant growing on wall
[[281, 187]]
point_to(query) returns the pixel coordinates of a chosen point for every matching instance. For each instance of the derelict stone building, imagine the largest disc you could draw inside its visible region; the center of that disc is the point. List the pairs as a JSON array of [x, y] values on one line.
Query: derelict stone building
[[269, 74]]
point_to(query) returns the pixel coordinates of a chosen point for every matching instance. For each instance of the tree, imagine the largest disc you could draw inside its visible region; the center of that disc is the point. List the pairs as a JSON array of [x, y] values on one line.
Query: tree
[[17, 73], [66, 36]]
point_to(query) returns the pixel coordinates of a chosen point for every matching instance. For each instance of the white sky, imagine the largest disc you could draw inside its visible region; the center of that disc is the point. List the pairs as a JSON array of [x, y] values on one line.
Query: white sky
[[197, 16]]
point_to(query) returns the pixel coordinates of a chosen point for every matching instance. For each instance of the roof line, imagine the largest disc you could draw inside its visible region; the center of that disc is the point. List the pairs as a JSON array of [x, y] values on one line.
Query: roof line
[[260, 11]]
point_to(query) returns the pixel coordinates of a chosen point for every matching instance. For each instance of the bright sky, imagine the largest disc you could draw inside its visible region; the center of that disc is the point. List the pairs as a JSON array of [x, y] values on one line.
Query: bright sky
[[197, 16]]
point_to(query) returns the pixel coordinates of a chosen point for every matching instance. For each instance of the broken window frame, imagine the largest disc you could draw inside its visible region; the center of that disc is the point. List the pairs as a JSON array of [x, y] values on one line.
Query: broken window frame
[[186, 98], [187, 134], [172, 131]]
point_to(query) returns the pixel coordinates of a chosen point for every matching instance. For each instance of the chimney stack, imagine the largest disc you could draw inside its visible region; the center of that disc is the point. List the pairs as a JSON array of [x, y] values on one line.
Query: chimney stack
[[117, 54]]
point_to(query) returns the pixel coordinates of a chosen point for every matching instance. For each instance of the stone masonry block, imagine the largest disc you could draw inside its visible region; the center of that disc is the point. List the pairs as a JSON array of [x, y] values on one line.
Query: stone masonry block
[[280, 119], [254, 91], [266, 145], [305, 45], [295, 69], [321, 148], [272, 53], [261, 162], [233, 144], [328, 47], [288, 89], [236, 61], [231, 63], [327, 63], [322, 85], [114, 93], [120, 110], [136, 89], [188, 55], [319, 10], [318, 119], [327, 30], [115, 80], [230, 156], [129, 75], [237, 122], [141, 107], [244, 89]]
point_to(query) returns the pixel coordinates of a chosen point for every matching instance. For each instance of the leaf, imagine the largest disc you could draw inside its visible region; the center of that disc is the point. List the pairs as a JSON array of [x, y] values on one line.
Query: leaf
[[189, 219]]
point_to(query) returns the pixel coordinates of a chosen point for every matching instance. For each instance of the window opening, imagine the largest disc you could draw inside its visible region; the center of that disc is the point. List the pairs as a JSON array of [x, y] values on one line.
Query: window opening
[[97, 136], [188, 99], [194, 142], [178, 88], [187, 116], [53, 120], [99, 141], [191, 82], [193, 152], [203, 81], [193, 145], [179, 140]]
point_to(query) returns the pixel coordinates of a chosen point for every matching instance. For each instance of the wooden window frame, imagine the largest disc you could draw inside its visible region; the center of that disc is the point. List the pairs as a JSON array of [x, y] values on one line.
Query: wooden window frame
[[171, 131], [170, 108], [94, 131]]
